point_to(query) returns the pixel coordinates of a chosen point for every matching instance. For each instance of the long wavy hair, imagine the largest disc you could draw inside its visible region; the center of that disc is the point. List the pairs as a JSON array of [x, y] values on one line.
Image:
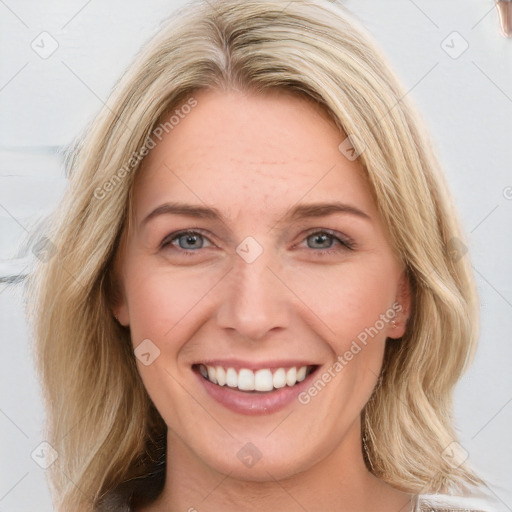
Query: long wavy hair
[[101, 421]]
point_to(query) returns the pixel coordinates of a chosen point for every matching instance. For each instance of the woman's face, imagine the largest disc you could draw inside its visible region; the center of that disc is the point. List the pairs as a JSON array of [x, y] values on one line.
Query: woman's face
[[287, 270]]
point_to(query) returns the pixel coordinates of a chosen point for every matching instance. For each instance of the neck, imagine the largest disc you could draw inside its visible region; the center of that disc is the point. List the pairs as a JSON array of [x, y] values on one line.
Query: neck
[[338, 482]]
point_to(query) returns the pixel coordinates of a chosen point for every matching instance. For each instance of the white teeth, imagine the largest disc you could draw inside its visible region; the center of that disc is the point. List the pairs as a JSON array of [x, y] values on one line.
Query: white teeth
[[231, 378], [279, 378], [291, 376], [245, 380], [260, 380], [301, 374], [211, 374], [263, 380], [220, 375]]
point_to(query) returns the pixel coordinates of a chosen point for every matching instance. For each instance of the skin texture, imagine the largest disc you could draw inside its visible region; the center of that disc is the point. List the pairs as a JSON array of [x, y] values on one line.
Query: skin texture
[[254, 157]]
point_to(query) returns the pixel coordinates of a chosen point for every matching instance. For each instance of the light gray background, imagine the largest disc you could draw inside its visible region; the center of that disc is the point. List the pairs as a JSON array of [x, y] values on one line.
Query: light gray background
[[466, 101]]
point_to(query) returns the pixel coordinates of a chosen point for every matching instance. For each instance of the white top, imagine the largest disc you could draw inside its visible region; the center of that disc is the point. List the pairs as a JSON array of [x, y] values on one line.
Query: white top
[[442, 503]]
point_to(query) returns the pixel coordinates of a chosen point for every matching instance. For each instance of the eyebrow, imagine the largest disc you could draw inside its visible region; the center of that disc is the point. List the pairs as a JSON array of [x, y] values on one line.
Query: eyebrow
[[299, 212]]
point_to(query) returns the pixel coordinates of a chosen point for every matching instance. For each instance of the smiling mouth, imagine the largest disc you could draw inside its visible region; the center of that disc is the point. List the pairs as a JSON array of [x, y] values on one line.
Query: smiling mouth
[[262, 380]]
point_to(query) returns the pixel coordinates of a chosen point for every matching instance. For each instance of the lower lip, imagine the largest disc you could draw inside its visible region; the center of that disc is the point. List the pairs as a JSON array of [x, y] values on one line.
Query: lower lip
[[254, 403]]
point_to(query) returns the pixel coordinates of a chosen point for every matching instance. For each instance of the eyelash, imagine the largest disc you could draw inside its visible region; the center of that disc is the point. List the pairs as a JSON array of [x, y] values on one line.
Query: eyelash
[[345, 242]]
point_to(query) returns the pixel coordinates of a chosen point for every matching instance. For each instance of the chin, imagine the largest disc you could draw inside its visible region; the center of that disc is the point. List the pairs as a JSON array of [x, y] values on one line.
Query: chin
[[260, 460]]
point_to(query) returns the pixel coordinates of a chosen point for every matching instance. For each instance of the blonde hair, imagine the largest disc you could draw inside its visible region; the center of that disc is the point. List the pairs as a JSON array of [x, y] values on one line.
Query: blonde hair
[[100, 418]]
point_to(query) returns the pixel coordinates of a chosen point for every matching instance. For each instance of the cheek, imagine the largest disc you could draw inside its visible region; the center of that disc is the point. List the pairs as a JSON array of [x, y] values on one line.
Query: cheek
[[354, 302], [159, 299], [350, 299]]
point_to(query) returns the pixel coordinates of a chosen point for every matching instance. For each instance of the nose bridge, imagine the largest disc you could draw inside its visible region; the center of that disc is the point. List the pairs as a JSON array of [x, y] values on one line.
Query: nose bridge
[[254, 300]]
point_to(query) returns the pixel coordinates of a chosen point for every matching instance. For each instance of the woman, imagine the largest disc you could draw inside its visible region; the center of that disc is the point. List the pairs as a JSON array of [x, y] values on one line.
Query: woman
[[258, 295]]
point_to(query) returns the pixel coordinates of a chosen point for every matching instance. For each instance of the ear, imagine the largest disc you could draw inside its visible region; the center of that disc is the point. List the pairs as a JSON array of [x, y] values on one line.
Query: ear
[[120, 312], [117, 299], [402, 307]]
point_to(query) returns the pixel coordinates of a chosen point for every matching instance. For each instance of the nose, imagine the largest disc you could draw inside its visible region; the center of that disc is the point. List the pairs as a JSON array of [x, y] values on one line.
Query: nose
[[253, 301]]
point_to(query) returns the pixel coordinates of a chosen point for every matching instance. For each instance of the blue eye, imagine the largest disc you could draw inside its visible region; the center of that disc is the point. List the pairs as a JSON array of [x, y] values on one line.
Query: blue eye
[[324, 241], [186, 240], [321, 239]]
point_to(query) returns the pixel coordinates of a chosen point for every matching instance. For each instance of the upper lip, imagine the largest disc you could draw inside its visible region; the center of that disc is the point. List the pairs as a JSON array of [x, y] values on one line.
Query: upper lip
[[238, 364]]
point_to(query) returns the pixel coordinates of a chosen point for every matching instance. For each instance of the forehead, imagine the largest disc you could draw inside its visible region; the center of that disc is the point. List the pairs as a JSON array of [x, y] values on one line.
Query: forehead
[[252, 154]]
